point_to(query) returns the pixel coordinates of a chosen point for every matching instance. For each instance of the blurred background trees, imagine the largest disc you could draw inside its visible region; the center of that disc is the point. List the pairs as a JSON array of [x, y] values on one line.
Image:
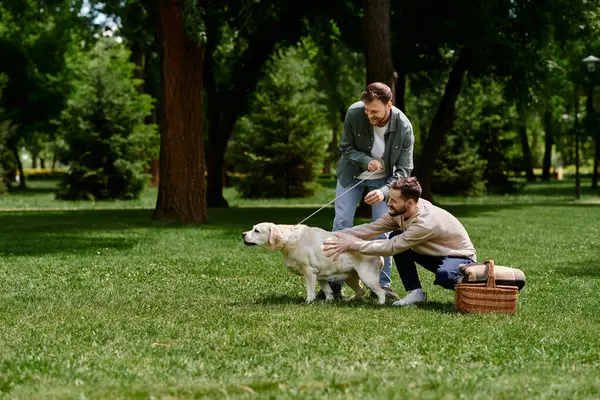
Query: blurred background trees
[[253, 93]]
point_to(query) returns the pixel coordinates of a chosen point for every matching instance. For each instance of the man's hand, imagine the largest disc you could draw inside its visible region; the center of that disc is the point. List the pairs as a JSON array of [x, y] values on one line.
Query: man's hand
[[337, 245], [375, 165], [374, 197]]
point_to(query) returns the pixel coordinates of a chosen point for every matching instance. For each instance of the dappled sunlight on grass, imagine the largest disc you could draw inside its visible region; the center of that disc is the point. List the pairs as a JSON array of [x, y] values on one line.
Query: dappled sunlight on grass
[[102, 301]]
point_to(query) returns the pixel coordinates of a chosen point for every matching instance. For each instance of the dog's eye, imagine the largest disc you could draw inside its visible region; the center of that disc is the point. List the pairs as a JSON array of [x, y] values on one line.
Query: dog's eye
[[255, 230]]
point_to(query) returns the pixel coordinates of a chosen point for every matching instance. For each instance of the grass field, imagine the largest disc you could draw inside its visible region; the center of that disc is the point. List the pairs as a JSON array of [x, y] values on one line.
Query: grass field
[[99, 301]]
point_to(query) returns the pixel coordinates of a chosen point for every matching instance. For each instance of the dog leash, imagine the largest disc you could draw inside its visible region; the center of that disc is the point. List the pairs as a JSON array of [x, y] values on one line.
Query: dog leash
[[359, 182]]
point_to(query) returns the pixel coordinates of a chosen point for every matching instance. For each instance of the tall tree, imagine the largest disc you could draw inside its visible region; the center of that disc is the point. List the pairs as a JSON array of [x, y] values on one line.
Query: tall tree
[[522, 129], [340, 73], [441, 124], [137, 24], [378, 49], [378, 57], [36, 93], [181, 190], [242, 35], [548, 141], [490, 38]]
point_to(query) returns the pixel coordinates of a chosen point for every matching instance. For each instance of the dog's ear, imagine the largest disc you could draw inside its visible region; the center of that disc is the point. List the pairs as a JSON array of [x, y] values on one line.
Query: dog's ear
[[275, 235]]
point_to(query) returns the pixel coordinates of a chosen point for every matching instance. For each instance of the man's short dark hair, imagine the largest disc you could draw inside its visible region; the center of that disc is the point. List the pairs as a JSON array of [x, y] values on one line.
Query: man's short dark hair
[[377, 91], [409, 188]]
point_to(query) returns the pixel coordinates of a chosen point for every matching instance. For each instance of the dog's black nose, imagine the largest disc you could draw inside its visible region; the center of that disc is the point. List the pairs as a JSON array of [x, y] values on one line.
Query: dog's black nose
[[243, 234]]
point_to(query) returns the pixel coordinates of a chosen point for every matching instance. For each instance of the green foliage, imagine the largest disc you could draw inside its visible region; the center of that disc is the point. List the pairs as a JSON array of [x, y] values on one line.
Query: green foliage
[[34, 36], [194, 21], [487, 123], [459, 169], [281, 144], [106, 144]]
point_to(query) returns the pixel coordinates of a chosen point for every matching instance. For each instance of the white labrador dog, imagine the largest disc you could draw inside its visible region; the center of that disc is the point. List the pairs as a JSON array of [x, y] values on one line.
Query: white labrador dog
[[302, 249]]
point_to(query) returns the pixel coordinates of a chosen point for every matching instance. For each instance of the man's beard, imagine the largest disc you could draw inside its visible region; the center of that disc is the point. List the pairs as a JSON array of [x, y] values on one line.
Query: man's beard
[[377, 121], [395, 213]]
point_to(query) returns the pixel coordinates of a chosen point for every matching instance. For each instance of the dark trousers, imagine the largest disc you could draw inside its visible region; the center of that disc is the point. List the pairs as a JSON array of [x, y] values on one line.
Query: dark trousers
[[446, 269]]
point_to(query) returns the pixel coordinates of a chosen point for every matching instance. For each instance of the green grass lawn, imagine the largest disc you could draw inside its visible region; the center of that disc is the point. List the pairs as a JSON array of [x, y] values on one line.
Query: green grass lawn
[[99, 301]]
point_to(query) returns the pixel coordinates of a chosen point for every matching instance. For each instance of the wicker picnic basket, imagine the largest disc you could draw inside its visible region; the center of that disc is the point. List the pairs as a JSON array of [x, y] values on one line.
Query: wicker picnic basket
[[486, 297]]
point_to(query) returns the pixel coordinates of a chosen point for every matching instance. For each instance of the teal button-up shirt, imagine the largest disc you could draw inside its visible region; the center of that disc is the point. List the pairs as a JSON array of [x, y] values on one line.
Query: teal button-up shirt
[[357, 141]]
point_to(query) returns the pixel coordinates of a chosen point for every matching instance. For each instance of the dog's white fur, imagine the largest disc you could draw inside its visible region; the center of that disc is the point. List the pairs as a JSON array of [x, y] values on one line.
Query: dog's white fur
[[302, 249]]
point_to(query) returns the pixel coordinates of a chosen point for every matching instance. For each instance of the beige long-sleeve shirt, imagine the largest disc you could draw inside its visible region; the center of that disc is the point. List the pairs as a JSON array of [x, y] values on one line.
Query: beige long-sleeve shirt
[[430, 230]]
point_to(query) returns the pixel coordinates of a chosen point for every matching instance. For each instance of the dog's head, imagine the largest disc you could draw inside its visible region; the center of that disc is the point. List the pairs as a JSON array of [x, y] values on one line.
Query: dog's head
[[265, 234]]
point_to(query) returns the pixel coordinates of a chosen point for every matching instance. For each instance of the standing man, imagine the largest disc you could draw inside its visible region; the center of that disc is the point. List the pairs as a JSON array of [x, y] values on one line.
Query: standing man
[[377, 147], [424, 233]]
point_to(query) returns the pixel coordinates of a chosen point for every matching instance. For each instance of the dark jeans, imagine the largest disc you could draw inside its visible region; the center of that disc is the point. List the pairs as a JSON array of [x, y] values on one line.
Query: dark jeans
[[445, 268]]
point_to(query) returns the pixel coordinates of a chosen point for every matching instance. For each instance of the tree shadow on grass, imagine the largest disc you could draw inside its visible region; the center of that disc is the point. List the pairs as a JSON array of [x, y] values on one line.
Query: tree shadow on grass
[[32, 191], [475, 210], [586, 268], [72, 220], [283, 299], [71, 231], [234, 218], [38, 232], [66, 244], [439, 307], [274, 299]]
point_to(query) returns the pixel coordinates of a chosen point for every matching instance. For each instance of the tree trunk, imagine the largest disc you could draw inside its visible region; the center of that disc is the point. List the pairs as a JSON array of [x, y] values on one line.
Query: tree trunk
[[138, 57], [400, 89], [332, 150], [591, 130], [233, 94], [527, 156], [15, 151], [378, 57], [548, 146], [220, 128], [596, 159], [215, 158], [154, 168], [181, 190], [329, 65], [441, 124], [42, 163], [378, 54], [33, 161], [152, 85]]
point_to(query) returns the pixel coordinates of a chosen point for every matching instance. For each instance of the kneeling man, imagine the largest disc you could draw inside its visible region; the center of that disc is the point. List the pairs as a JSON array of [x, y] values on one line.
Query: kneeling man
[[423, 234]]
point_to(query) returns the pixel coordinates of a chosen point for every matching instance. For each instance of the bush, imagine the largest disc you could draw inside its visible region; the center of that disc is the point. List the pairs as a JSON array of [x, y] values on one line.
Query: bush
[[106, 144], [282, 143], [459, 169]]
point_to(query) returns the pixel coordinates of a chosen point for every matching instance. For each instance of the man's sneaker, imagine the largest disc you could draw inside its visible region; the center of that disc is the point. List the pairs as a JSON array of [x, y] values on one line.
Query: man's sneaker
[[414, 297], [337, 292], [389, 294]]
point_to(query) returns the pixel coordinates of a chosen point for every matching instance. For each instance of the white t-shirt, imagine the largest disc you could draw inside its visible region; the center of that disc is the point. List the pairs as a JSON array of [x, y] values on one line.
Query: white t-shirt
[[377, 151]]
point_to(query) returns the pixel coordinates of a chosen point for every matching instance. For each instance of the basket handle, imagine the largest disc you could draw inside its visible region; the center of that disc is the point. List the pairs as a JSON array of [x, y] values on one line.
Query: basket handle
[[491, 282]]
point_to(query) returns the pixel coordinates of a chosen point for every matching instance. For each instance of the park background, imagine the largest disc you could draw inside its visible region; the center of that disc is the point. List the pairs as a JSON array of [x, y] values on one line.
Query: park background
[[138, 139]]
